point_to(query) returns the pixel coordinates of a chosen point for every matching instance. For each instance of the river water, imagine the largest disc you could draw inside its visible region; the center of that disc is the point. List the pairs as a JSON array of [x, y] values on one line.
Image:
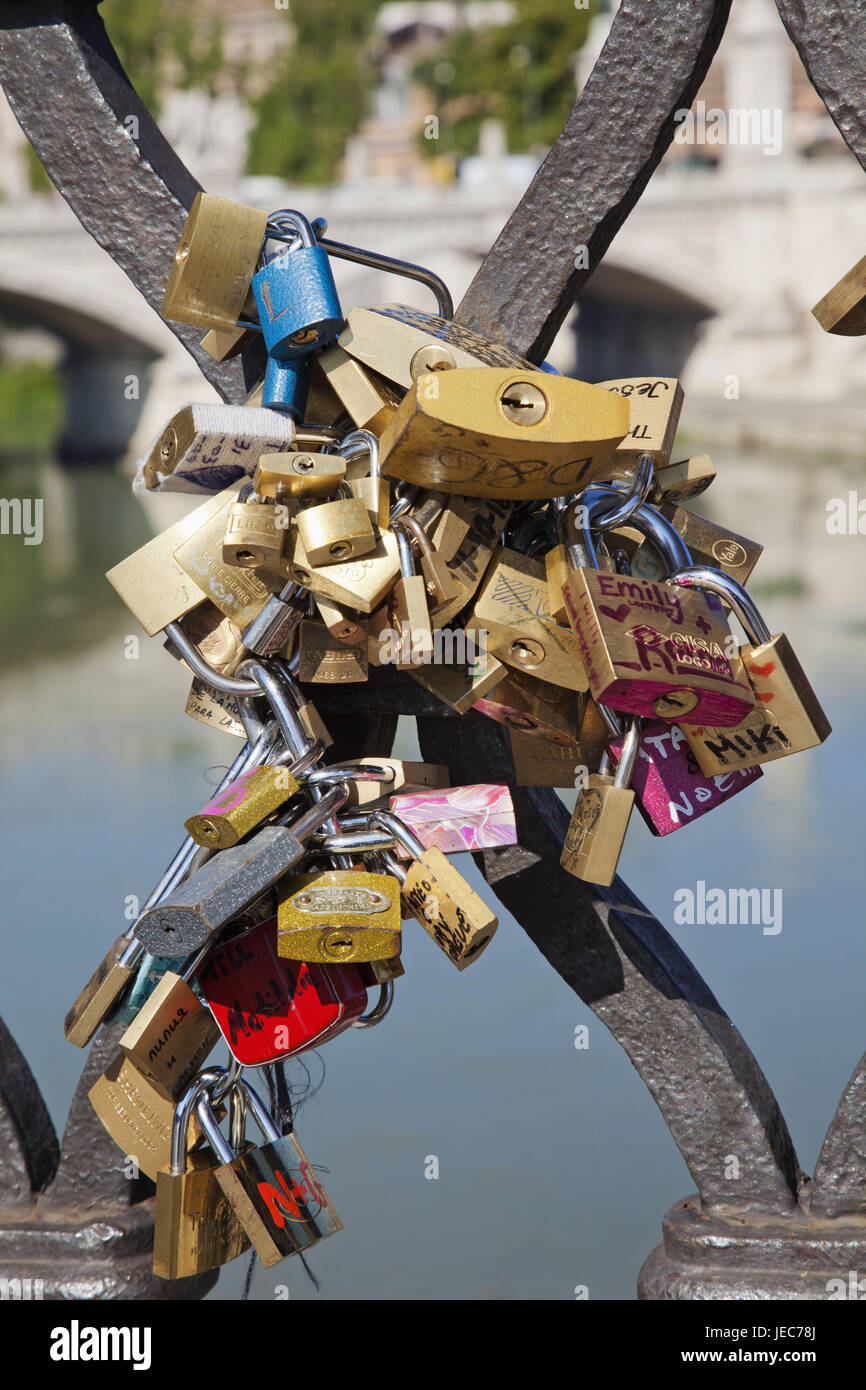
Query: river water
[[554, 1165]]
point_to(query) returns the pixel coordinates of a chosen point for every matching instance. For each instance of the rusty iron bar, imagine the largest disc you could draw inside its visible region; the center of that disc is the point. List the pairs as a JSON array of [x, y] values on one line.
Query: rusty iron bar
[[72, 98]]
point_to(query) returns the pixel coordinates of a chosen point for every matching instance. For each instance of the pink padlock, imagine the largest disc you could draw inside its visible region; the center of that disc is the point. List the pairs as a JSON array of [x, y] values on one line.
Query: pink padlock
[[670, 789], [480, 816]]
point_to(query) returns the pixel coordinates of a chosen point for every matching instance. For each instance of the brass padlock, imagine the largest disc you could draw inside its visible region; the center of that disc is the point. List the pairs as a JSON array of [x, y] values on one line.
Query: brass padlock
[[255, 535], [655, 405], [786, 718], [361, 583], [440, 585], [539, 763], [513, 607], [339, 916], [674, 482], [341, 623], [135, 1114], [216, 638], [368, 398], [360, 449], [195, 1228], [205, 446], [708, 544], [473, 554], [102, 991], [497, 432], [326, 660], [448, 908], [155, 587], [843, 308], [240, 594], [214, 264], [653, 647], [335, 532], [533, 707], [451, 525], [461, 687], [402, 343], [600, 818], [406, 607], [281, 477], [172, 1033]]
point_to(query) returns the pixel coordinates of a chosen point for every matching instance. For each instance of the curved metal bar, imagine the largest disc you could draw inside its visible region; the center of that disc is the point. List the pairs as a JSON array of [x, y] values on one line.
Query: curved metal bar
[[839, 1185], [653, 63], [614, 953], [830, 37], [77, 107]]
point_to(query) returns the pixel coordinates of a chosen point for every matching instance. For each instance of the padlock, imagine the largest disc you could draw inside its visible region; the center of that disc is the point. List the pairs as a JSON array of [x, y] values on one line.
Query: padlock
[[652, 648], [461, 687], [473, 554], [368, 398], [297, 300], [195, 1226], [339, 916], [532, 707], [371, 778], [513, 607], [335, 532], [372, 489], [214, 263], [172, 1034], [675, 482], [203, 448], [842, 310], [786, 717], [707, 542], [439, 583], [283, 477], [362, 583], [255, 534], [325, 660], [438, 897], [497, 432], [341, 623], [670, 789], [556, 571], [286, 387], [241, 806], [135, 1114], [229, 883], [655, 406], [105, 986], [155, 587], [215, 637], [539, 763], [274, 625], [406, 606], [459, 819], [402, 344], [273, 1188], [269, 1008], [222, 344], [599, 821], [449, 530], [213, 708], [239, 593]]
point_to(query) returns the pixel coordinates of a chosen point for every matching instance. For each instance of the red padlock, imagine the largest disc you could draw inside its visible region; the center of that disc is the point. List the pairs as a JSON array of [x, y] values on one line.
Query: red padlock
[[268, 1008]]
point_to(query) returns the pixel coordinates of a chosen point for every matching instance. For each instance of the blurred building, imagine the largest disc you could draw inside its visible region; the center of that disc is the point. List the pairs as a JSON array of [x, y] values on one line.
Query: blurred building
[[712, 278]]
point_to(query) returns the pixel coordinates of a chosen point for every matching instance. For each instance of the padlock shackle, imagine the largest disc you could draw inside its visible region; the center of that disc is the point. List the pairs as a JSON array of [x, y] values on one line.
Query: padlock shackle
[[379, 1009], [351, 772], [419, 535], [741, 603], [404, 549], [284, 699], [227, 685], [354, 841], [393, 865], [256, 1107], [628, 755], [635, 495], [312, 819], [183, 1114], [211, 1130], [580, 548], [357, 443], [387, 820]]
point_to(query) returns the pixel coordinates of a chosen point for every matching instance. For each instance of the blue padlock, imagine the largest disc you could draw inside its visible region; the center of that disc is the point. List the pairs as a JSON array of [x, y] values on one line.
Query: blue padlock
[[297, 300], [286, 385]]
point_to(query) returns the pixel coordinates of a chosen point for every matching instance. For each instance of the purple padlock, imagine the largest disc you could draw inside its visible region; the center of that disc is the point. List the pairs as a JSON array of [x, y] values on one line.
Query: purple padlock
[[670, 789]]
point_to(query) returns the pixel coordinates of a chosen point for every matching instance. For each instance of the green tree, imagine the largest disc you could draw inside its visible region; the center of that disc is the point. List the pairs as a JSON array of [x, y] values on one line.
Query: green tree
[[521, 73], [165, 44], [319, 93]]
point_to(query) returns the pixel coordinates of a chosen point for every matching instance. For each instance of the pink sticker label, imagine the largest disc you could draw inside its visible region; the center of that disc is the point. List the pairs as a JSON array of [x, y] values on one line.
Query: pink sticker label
[[670, 789], [476, 817]]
